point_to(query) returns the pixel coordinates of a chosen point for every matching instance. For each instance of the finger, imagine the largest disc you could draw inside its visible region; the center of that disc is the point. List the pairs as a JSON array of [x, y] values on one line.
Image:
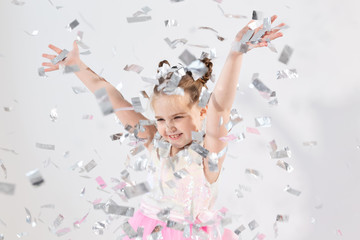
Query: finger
[[47, 64], [49, 56], [56, 49], [273, 18], [51, 69]]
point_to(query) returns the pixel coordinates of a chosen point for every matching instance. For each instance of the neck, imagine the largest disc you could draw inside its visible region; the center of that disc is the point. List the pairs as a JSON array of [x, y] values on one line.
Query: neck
[[174, 150]]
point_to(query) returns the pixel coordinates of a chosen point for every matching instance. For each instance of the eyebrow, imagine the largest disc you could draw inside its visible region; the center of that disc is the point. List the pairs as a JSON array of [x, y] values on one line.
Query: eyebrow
[[172, 115]]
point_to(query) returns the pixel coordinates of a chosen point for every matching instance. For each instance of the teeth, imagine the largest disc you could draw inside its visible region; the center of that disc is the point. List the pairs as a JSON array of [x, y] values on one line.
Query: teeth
[[174, 136]]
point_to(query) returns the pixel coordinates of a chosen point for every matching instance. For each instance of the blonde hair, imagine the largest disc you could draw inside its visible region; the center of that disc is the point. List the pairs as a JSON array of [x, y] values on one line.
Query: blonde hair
[[187, 83]]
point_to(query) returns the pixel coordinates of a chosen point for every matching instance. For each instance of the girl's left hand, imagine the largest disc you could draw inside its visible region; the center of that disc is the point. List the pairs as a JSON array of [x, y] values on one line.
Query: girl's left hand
[[271, 35]]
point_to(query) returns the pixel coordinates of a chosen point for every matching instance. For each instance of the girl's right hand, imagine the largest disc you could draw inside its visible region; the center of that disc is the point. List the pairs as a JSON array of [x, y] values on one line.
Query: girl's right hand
[[72, 58]]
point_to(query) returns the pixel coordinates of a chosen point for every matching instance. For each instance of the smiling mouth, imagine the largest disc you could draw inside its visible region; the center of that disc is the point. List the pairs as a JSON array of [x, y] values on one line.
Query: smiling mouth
[[175, 136]]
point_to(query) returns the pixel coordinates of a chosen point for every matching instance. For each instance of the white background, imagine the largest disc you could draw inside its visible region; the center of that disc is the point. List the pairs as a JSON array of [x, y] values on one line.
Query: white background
[[322, 105]]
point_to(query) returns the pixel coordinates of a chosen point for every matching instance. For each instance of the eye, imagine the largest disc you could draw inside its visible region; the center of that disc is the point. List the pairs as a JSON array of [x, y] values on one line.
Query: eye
[[177, 117], [159, 119]]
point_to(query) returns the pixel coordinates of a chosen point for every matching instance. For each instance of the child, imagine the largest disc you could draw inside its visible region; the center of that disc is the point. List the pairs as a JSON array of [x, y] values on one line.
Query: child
[[185, 176]]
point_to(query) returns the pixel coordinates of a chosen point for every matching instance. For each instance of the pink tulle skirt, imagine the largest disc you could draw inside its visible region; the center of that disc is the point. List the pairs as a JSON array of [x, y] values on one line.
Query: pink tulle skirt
[[140, 220]]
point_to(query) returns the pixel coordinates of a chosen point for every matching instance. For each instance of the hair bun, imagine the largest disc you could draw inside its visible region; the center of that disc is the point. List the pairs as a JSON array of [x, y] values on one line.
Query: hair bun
[[207, 75], [162, 63]]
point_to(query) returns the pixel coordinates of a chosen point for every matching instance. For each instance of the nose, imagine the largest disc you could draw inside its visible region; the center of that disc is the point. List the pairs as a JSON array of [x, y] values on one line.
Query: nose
[[170, 127]]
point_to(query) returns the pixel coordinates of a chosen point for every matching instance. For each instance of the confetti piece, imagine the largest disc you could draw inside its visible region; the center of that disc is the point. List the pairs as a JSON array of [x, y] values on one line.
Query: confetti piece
[[119, 210], [262, 88], [101, 182], [135, 101], [35, 177], [171, 23], [60, 57], [71, 69], [88, 52], [310, 143], [78, 90], [134, 68], [286, 54], [54, 115], [22, 234], [98, 227], [204, 97], [8, 109], [252, 130], [253, 224], [72, 25], [33, 33], [87, 117], [45, 146], [263, 122], [292, 191], [287, 74], [138, 19], [62, 232], [186, 57], [228, 15], [257, 15], [137, 190], [29, 219], [199, 149], [103, 101], [285, 165], [9, 150], [90, 166], [17, 2], [175, 225], [282, 218], [7, 188], [129, 231], [41, 72], [173, 44], [239, 230], [213, 30], [254, 173], [3, 168], [285, 153], [77, 223]]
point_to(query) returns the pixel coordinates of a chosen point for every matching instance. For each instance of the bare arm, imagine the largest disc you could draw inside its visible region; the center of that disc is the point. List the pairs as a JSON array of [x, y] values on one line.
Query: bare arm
[[223, 97], [94, 82]]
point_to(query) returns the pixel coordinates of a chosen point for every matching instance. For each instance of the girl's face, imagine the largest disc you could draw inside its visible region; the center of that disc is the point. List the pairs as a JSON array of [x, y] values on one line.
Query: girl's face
[[175, 119]]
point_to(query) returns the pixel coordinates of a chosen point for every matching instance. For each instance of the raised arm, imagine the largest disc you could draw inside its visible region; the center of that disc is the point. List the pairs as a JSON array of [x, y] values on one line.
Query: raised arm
[[223, 96], [94, 82]]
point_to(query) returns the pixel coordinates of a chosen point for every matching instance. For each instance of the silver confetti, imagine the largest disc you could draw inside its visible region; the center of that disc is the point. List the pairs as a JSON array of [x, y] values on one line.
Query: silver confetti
[[199, 149], [98, 227], [135, 101], [7, 188], [181, 173], [286, 54], [141, 163], [252, 172], [35, 177], [137, 190], [204, 97], [17, 2], [78, 90], [22, 234], [197, 136], [103, 101], [88, 52], [134, 68], [239, 230], [292, 191], [173, 44], [174, 225], [134, 151], [285, 153], [271, 46], [33, 33], [29, 219], [54, 115], [213, 30], [287, 74], [285, 165], [3, 168], [257, 36], [267, 24], [57, 222], [90, 166], [257, 15], [282, 218], [60, 57], [163, 214], [186, 57], [310, 143], [253, 224], [263, 122], [116, 136], [45, 146], [82, 192], [138, 19], [129, 231], [228, 15], [171, 23], [119, 210], [1, 236], [262, 88], [72, 25], [8, 109]]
